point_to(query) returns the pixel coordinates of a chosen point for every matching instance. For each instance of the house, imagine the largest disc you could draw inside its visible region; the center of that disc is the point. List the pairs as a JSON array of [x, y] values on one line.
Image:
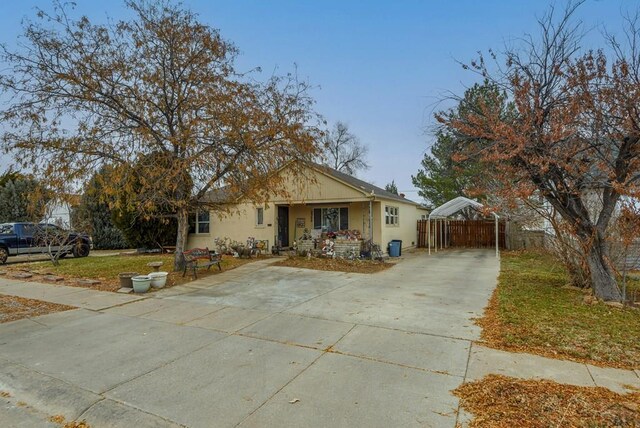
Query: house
[[326, 201], [60, 212]]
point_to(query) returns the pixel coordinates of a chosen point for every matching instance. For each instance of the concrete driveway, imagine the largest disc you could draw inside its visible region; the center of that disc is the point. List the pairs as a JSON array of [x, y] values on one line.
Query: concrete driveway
[[261, 346]]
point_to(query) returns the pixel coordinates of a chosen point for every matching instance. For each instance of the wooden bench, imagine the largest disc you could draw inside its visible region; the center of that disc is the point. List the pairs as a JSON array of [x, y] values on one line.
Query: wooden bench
[[199, 258]]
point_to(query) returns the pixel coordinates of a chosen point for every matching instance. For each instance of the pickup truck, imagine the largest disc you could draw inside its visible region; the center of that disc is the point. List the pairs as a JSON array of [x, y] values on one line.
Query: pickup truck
[[32, 238]]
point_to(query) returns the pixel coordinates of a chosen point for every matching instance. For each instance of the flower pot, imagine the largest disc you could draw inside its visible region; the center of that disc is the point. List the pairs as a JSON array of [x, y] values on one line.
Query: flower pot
[[141, 283], [158, 279], [125, 279]]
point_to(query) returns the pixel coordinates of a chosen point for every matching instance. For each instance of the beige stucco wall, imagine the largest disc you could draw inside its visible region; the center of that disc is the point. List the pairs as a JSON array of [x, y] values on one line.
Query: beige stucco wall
[[237, 225], [318, 188], [358, 217], [422, 213], [240, 224], [315, 192], [406, 230]]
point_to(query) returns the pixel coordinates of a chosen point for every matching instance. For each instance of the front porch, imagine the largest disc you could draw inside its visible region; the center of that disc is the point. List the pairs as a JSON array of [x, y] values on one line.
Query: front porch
[[310, 224]]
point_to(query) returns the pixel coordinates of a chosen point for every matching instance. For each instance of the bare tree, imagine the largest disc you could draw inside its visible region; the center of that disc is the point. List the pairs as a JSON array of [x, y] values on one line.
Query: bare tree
[[572, 133], [344, 151], [158, 97]]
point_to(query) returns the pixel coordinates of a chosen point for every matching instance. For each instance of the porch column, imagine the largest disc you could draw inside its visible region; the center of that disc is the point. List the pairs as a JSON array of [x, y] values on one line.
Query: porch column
[[371, 227], [429, 233]]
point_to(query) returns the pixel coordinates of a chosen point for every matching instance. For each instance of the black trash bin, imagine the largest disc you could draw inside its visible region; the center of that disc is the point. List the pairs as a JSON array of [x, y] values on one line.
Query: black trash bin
[[399, 241]]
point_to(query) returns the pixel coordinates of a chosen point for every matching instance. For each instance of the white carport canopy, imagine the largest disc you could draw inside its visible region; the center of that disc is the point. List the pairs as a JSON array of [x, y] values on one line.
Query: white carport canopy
[[446, 210]]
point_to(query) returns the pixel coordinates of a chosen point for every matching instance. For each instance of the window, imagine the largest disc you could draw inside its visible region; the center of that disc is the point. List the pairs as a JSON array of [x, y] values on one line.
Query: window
[[202, 224], [28, 230], [260, 216], [391, 216], [331, 219], [199, 223]]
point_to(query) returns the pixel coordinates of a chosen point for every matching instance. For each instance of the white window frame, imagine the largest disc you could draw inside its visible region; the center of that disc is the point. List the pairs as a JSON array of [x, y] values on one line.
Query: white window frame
[[391, 215], [198, 223], [258, 222], [323, 210]]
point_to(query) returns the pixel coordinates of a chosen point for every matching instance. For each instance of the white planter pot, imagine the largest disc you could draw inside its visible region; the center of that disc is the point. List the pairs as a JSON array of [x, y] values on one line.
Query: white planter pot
[[141, 283], [158, 279]]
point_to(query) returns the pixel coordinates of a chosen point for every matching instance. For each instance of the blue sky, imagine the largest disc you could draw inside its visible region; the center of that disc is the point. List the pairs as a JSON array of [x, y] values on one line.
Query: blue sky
[[380, 66]]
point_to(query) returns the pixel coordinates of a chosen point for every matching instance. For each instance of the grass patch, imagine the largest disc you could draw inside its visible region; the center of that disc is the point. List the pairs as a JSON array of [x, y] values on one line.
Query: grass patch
[[106, 269], [531, 311], [335, 265], [499, 401]]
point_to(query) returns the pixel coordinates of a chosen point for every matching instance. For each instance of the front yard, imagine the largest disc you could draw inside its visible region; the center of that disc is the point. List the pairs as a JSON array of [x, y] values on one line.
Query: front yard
[[105, 269], [532, 311]]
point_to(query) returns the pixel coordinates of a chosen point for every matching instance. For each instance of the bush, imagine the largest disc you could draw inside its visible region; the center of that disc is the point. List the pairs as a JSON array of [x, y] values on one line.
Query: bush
[[160, 230], [93, 215], [18, 196]]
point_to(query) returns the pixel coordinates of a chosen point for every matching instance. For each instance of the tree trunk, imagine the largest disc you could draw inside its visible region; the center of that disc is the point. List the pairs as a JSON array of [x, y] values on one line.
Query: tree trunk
[[181, 238], [603, 280]]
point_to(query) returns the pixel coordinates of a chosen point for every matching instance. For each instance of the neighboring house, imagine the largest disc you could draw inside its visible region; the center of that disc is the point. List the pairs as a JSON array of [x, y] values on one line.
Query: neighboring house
[[327, 201], [58, 212]]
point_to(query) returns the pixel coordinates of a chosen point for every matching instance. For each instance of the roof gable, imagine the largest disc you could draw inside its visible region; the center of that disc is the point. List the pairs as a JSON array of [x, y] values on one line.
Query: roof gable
[[367, 189], [355, 186]]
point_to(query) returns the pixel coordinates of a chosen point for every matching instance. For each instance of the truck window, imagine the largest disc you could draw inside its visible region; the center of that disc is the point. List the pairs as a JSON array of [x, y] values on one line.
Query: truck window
[[6, 229], [27, 230]]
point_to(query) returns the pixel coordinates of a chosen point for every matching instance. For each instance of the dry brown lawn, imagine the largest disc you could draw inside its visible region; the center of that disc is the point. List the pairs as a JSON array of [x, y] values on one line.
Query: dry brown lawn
[[533, 311], [504, 402], [13, 308], [106, 269]]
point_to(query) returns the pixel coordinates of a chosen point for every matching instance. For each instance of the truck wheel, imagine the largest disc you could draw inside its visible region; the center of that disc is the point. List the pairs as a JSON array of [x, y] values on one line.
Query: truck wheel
[[3, 255], [81, 250]]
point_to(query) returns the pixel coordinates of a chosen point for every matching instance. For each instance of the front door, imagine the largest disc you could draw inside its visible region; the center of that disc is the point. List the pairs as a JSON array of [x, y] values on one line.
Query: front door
[[283, 226]]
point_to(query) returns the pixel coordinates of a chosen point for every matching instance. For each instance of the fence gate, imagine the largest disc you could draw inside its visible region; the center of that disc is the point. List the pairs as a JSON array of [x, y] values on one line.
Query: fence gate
[[463, 233]]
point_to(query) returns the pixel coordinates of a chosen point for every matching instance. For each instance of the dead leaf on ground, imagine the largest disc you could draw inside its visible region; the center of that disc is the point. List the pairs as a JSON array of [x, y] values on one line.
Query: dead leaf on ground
[[335, 265], [14, 308], [499, 402], [76, 424], [57, 419]]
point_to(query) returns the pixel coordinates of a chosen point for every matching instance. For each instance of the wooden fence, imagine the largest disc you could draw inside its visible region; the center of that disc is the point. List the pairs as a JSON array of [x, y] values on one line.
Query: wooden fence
[[462, 233]]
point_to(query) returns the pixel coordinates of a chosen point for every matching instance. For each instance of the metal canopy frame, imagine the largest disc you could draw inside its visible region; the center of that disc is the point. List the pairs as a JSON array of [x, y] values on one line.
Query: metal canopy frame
[[446, 210]]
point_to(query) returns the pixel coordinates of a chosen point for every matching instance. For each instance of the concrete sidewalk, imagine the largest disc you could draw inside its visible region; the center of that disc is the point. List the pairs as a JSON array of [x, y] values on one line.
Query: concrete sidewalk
[[269, 346]]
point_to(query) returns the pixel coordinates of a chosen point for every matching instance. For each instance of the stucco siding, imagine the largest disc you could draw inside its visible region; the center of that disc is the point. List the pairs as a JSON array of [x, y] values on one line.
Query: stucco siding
[[318, 188], [406, 230], [358, 217], [238, 225], [422, 213]]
